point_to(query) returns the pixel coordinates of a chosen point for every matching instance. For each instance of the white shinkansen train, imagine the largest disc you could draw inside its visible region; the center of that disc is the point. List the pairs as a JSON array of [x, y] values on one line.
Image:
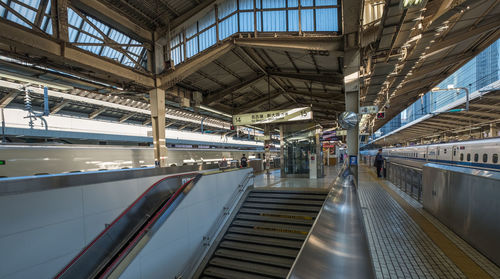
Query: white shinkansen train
[[24, 160], [480, 154]]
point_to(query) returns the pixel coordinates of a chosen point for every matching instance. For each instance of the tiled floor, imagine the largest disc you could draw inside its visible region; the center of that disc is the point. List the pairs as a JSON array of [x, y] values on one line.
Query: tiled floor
[[274, 180], [481, 260], [399, 247]]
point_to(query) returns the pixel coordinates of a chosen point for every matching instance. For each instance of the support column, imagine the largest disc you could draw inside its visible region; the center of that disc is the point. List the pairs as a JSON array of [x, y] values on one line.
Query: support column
[[351, 81], [493, 130], [267, 145], [282, 151], [59, 14], [157, 101], [352, 16]]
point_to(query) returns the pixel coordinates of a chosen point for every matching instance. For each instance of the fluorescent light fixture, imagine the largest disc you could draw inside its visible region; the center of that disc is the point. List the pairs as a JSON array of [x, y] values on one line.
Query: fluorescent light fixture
[[215, 111]]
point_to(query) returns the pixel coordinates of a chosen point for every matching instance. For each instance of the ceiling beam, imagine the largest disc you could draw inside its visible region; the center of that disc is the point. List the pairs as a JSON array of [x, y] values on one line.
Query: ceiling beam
[[105, 14], [96, 112], [189, 67], [316, 96], [62, 56], [328, 45], [183, 126], [433, 65], [217, 96], [465, 118], [5, 101], [146, 122], [464, 34], [259, 102], [492, 96], [170, 8], [247, 56], [126, 117], [55, 109], [332, 79], [191, 13], [483, 114], [483, 106]]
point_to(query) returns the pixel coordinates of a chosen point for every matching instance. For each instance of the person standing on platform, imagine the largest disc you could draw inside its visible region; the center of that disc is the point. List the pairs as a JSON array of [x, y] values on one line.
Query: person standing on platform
[[244, 161], [379, 162]]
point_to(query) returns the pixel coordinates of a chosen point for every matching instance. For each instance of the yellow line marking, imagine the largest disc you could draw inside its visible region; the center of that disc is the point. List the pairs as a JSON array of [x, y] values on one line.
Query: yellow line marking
[[468, 266], [287, 216], [280, 230]]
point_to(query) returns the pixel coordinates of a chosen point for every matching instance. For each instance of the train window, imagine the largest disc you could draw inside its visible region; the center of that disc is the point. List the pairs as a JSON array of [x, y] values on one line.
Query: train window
[[476, 157], [495, 158], [485, 158], [468, 157], [461, 157], [445, 151]]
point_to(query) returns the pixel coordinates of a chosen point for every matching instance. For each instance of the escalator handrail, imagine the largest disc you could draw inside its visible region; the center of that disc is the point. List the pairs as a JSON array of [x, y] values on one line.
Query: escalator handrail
[[127, 210], [147, 227]]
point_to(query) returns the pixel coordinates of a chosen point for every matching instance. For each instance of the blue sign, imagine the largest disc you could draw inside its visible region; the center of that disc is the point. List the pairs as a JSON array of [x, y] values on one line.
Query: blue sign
[[353, 160]]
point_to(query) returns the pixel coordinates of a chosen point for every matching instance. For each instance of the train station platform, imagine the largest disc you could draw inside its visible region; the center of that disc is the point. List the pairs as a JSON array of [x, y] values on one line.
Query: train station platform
[[405, 241], [274, 179]]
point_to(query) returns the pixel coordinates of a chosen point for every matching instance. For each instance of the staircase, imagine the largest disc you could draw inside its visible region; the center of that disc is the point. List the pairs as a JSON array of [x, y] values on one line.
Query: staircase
[[265, 235]]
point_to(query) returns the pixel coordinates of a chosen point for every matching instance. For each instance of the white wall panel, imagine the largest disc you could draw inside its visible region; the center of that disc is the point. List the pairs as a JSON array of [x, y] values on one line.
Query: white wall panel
[[174, 244], [45, 269], [27, 249], [29, 211], [40, 232]]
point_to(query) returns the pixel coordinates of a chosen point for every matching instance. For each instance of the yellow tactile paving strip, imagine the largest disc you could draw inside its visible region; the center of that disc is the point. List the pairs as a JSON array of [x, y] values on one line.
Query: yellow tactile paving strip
[[455, 254]]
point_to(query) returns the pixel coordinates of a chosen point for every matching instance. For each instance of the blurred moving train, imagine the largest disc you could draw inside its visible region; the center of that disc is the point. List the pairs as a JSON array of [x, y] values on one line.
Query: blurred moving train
[[479, 154], [25, 159]]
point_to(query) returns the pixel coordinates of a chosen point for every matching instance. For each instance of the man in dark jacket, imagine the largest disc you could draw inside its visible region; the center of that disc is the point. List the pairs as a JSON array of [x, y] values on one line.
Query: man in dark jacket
[[244, 161], [379, 162]]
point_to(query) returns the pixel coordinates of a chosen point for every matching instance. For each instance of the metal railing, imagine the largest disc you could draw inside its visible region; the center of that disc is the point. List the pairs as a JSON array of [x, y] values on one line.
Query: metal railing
[[215, 229], [406, 178], [337, 246], [119, 241]]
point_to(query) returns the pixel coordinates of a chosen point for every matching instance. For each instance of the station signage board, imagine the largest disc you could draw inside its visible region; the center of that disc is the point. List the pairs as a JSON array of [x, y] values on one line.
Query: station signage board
[[275, 116], [262, 138], [368, 109], [341, 132]]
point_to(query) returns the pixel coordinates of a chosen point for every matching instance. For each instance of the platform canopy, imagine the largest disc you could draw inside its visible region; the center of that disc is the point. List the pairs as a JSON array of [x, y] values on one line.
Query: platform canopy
[[233, 57]]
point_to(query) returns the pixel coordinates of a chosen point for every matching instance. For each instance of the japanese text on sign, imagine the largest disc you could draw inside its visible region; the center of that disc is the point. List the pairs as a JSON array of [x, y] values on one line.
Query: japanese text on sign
[[276, 116]]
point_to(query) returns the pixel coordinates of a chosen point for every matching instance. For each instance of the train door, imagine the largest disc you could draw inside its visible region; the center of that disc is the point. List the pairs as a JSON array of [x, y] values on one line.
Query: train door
[[454, 154], [426, 153]]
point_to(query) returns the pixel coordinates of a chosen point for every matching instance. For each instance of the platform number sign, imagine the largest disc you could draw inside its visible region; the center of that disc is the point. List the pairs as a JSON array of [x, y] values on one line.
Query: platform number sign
[[381, 115]]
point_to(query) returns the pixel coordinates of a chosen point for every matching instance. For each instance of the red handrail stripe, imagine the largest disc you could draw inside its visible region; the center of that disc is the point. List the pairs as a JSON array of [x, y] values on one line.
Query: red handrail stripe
[[145, 228], [116, 220]]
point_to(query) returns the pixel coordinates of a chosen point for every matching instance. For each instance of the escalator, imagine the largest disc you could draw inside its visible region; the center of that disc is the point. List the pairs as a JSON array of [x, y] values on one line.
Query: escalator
[[265, 235], [115, 247]]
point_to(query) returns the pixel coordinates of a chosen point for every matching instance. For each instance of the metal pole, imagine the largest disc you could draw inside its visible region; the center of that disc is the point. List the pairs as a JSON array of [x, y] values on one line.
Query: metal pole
[[3, 127], [466, 98], [46, 111]]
